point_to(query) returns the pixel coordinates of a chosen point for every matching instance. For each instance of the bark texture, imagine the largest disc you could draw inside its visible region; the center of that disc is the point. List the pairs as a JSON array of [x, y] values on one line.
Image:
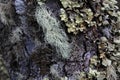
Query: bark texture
[[36, 43]]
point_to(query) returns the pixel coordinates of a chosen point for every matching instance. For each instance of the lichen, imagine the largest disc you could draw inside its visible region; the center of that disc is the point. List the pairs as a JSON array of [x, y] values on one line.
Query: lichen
[[3, 70], [74, 17], [16, 35], [7, 13], [54, 34], [78, 16], [103, 16], [40, 2]]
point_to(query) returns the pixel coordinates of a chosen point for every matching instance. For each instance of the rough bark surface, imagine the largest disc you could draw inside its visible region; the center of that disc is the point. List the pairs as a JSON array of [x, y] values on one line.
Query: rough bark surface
[[35, 45]]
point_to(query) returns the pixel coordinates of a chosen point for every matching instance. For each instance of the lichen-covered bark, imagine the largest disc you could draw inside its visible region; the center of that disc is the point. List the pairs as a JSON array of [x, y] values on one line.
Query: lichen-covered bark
[[4, 75], [38, 40]]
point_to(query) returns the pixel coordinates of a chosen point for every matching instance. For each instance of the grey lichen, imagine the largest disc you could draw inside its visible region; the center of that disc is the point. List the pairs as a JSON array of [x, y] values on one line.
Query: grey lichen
[[16, 35], [7, 13], [54, 34]]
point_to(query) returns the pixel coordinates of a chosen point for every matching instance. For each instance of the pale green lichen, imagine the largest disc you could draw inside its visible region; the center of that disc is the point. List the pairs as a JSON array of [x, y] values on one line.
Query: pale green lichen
[[54, 34], [76, 20], [78, 16], [40, 2], [70, 4]]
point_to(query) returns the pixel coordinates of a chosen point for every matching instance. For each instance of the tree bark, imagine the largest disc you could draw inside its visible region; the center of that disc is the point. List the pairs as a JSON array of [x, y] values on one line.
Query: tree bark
[[35, 44]]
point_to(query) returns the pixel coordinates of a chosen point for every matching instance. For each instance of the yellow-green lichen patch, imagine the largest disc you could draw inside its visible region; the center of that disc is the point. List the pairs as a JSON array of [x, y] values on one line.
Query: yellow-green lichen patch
[[77, 14]]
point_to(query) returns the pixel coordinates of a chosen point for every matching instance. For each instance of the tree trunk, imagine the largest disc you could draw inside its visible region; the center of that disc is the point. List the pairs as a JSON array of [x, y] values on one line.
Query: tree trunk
[[37, 41]]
